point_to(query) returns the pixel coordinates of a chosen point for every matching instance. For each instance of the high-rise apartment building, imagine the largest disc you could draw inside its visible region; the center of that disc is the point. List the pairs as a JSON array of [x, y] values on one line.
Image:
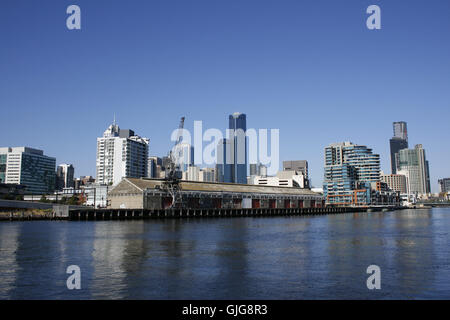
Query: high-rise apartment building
[[349, 171], [121, 154], [413, 164], [398, 142], [65, 176], [28, 167], [395, 182]]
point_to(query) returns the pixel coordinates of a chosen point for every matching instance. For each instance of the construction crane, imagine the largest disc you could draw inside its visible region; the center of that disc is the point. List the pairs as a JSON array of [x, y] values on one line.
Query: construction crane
[[173, 173]]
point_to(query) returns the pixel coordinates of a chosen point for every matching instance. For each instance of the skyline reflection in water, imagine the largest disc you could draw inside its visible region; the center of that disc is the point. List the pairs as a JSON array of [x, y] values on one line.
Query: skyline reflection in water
[[310, 257]]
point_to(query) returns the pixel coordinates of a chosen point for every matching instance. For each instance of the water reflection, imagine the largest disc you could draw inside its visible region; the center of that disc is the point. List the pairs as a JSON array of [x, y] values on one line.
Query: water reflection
[[9, 235], [413, 251], [119, 253], [242, 258]]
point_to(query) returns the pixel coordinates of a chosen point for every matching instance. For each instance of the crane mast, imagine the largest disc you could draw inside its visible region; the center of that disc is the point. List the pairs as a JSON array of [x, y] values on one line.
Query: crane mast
[[173, 174]]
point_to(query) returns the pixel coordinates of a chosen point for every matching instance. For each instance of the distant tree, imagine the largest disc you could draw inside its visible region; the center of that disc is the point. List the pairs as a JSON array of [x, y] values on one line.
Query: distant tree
[[43, 199], [19, 197], [73, 200]]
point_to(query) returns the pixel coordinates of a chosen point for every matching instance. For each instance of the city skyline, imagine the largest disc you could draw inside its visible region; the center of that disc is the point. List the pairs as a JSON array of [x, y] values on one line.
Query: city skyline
[[124, 133], [322, 65]]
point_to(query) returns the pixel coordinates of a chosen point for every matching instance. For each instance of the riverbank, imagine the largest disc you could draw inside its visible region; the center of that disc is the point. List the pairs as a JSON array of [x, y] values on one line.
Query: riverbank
[[26, 214]]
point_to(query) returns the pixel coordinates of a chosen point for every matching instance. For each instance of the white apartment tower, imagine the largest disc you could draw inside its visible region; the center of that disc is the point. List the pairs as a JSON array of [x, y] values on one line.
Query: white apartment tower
[[121, 153]]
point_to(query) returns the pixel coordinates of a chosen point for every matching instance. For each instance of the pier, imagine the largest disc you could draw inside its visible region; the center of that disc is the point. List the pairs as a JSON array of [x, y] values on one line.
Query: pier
[[130, 214]]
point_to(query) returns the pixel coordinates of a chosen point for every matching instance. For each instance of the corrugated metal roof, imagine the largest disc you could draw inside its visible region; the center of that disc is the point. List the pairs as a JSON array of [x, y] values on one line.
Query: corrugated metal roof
[[143, 184]]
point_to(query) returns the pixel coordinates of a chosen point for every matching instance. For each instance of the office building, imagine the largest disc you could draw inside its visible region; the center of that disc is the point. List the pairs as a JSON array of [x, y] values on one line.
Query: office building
[[398, 142], [297, 165], [65, 176], [258, 169], [121, 154], [28, 167], [285, 178], [444, 185], [413, 164]]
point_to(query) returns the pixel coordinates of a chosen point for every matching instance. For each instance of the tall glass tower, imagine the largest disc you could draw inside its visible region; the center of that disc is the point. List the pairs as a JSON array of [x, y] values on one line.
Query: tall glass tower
[[398, 142], [238, 127], [223, 166]]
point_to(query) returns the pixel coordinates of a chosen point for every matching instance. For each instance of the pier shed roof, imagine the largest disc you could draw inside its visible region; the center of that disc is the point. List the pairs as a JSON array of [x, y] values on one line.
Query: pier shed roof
[[133, 185]]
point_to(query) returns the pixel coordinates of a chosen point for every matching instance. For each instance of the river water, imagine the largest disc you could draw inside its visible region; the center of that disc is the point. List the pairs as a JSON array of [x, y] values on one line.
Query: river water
[[310, 257]]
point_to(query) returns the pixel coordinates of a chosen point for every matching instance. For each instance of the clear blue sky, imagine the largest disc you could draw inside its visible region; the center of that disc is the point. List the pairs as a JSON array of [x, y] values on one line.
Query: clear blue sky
[[310, 68]]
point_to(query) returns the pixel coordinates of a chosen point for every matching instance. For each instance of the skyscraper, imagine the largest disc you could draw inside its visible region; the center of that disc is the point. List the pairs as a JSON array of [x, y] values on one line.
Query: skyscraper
[[238, 140], [224, 159], [413, 164], [121, 154], [65, 176], [398, 142]]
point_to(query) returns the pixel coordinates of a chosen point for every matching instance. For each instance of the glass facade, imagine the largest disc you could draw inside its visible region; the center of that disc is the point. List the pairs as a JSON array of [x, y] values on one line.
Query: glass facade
[[223, 166], [396, 144], [238, 127], [400, 130], [38, 173], [28, 167], [349, 171], [413, 163], [2, 168]]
